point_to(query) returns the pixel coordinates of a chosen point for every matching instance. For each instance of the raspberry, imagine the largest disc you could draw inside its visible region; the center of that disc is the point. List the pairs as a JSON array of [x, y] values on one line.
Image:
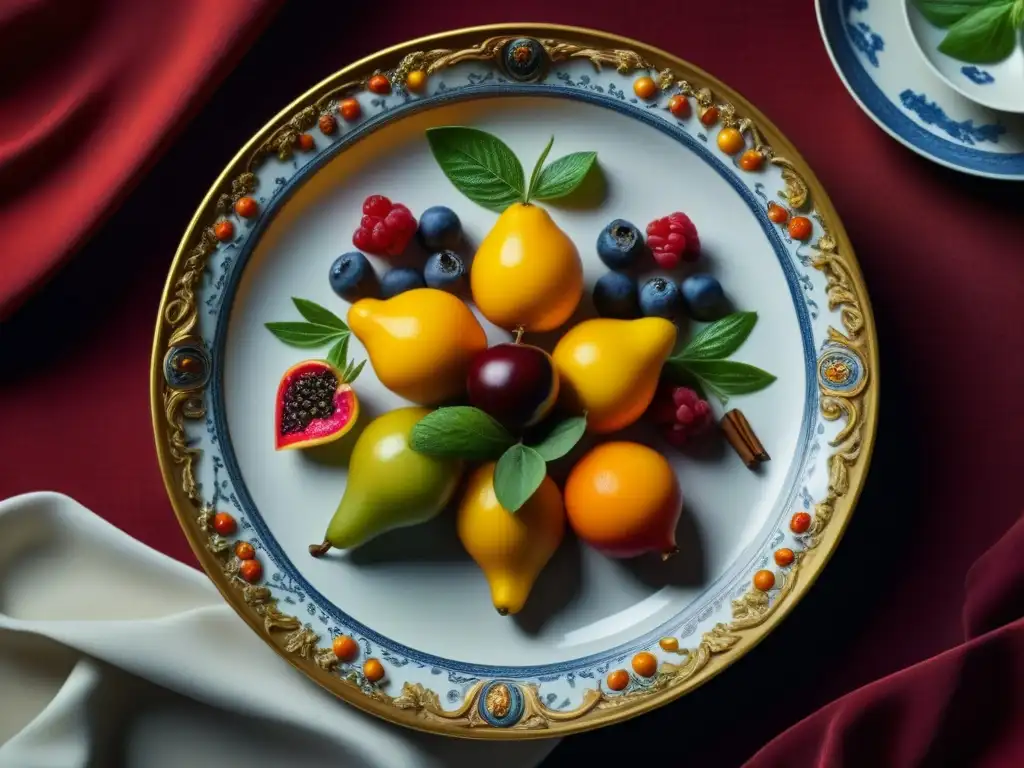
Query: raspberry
[[673, 239], [681, 414], [385, 228]]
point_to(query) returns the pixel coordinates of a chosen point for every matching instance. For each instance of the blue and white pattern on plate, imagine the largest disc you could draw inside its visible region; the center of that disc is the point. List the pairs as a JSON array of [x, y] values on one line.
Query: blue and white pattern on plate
[[875, 54]]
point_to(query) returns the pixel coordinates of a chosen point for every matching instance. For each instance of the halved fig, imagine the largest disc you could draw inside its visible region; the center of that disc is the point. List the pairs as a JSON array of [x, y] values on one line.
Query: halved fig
[[314, 406]]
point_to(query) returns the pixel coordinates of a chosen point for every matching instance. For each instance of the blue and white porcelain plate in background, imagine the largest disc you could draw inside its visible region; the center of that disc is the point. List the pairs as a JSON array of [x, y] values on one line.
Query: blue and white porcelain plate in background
[[877, 57], [600, 640]]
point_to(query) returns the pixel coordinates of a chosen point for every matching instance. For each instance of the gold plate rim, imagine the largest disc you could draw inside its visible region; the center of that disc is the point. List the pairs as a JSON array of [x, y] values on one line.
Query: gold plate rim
[[841, 508]]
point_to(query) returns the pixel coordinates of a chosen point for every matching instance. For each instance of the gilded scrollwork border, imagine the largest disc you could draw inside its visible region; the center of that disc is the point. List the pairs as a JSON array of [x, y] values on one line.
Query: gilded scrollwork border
[[752, 614]]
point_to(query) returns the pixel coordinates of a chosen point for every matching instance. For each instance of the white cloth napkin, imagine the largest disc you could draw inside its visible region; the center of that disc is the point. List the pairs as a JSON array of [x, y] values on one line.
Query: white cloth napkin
[[112, 654]]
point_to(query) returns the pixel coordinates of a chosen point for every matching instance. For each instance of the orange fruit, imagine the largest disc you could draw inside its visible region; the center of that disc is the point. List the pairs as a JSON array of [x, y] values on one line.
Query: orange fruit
[[624, 500]]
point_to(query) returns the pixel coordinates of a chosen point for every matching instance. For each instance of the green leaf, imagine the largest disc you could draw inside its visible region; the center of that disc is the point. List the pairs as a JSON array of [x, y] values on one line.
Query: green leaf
[[944, 13], [480, 165], [537, 169], [986, 36], [560, 440], [352, 372], [721, 338], [299, 334], [460, 431], [519, 473], [727, 377], [1017, 15], [339, 353], [317, 315], [564, 175]]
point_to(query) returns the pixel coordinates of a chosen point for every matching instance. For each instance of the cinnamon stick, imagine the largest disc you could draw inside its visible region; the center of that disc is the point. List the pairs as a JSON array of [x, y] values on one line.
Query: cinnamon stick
[[741, 437]]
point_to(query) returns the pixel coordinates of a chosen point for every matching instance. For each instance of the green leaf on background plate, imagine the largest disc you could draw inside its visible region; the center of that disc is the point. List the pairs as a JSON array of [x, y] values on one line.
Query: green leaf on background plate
[[339, 353], [460, 432], [537, 169], [944, 13], [564, 175], [519, 473], [352, 371], [562, 438], [721, 338], [727, 377], [986, 36], [480, 165]]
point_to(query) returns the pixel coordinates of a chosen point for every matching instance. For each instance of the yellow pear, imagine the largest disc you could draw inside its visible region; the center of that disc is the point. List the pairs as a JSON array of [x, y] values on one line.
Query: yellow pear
[[527, 272], [420, 342], [610, 368], [511, 549]]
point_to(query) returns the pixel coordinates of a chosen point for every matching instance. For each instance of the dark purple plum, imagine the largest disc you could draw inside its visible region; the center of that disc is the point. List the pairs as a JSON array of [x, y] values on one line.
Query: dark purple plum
[[515, 383]]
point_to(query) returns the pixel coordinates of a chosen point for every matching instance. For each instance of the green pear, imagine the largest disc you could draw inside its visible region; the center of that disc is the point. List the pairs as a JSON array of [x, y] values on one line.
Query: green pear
[[389, 484]]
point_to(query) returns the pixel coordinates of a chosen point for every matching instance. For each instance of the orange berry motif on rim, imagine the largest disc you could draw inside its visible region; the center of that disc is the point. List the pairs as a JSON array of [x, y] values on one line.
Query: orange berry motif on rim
[[800, 523], [327, 124], [800, 228], [764, 580], [730, 141], [305, 141], [618, 679], [777, 213], [223, 230], [709, 115], [679, 105], [645, 87], [415, 80], [669, 644], [837, 372], [345, 648], [251, 570], [350, 109], [379, 84], [246, 207], [751, 160], [784, 557], [373, 670], [244, 550], [645, 664], [224, 524]]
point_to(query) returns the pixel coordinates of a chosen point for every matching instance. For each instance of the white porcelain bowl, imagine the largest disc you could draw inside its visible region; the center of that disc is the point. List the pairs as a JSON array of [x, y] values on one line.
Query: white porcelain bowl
[[997, 86]]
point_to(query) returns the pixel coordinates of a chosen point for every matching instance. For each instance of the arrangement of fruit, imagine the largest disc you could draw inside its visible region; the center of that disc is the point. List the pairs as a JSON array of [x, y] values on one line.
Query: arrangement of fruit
[[501, 414]]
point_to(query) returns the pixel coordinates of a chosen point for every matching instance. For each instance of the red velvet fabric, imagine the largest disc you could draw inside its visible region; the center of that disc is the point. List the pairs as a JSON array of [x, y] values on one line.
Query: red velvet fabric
[[91, 92]]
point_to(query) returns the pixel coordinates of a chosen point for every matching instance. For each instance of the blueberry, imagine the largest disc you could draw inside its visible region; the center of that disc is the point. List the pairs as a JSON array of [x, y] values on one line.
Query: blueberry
[[660, 298], [352, 277], [440, 229], [703, 297], [620, 244], [399, 280], [615, 296], [445, 270]]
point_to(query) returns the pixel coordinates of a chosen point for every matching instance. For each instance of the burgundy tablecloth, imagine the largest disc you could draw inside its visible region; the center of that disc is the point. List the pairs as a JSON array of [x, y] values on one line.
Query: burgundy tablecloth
[[92, 92]]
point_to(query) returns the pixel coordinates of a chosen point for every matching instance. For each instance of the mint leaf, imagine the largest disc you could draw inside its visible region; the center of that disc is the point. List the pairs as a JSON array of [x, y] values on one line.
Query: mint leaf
[[518, 474], [560, 440], [721, 338], [480, 166], [944, 13], [339, 353], [984, 37], [304, 334], [462, 432], [352, 372], [564, 175], [537, 169], [726, 377], [317, 315]]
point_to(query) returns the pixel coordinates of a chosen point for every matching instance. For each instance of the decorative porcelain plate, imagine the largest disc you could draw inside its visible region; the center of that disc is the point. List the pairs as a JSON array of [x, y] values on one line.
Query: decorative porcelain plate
[[404, 626], [874, 49]]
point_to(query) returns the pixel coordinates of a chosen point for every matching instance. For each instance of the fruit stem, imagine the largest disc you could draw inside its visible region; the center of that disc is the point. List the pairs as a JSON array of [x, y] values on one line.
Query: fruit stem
[[321, 549], [519, 333], [503, 611], [669, 554]]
